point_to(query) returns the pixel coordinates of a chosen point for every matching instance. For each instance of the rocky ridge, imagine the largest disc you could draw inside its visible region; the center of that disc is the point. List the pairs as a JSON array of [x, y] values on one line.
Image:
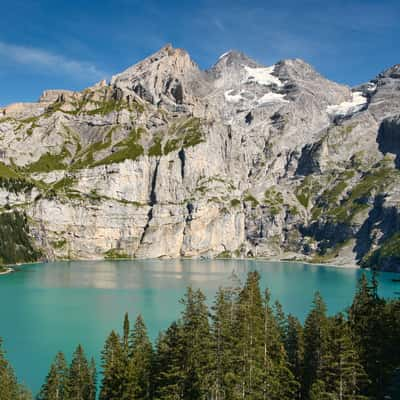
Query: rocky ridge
[[241, 160]]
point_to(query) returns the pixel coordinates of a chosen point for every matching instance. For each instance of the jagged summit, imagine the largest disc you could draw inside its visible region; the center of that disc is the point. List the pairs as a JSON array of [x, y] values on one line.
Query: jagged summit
[[296, 68], [392, 72], [164, 77], [383, 92], [233, 59], [174, 57]]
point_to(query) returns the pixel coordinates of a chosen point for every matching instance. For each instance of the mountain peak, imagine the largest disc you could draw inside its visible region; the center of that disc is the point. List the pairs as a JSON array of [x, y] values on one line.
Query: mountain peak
[[167, 54], [233, 59], [162, 77], [296, 68], [392, 72]]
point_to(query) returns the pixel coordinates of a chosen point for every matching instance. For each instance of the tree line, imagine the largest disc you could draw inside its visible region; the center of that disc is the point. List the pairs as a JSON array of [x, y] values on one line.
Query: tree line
[[244, 347]]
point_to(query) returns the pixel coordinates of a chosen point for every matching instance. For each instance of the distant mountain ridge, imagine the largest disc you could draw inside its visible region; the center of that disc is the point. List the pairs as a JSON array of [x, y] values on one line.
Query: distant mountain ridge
[[241, 160]]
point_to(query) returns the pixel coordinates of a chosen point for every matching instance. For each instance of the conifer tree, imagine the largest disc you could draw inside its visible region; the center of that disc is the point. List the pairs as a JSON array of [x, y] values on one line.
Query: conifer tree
[[169, 360], [140, 362], [224, 355], [56, 384], [114, 369], [340, 369], [23, 393], [10, 389], [278, 381], [368, 317], [126, 331], [8, 381], [196, 345], [280, 319], [79, 379], [318, 391], [92, 380], [392, 335], [251, 332], [315, 342], [294, 345]]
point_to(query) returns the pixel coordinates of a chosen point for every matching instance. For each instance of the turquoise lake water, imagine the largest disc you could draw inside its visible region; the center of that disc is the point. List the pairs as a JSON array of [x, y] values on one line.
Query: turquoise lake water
[[49, 307]]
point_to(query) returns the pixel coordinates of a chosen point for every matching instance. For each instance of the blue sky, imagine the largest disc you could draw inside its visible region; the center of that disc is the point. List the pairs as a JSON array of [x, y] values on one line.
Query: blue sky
[[72, 44]]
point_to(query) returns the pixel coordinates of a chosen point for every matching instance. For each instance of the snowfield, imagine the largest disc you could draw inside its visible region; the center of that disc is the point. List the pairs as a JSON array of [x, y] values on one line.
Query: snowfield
[[262, 76], [348, 107]]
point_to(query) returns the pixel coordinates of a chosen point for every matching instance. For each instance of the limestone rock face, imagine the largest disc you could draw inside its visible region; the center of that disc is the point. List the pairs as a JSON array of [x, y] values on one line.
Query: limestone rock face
[[165, 78], [50, 96], [240, 160]]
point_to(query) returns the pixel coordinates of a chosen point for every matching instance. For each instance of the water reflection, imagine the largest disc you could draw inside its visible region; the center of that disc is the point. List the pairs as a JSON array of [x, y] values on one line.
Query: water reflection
[[62, 304]]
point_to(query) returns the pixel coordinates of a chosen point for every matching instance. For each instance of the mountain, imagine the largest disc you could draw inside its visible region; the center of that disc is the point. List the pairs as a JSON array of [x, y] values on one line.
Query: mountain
[[241, 160]]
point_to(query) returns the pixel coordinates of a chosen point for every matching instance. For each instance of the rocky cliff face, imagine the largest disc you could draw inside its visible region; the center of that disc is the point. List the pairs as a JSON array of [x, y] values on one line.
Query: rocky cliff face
[[241, 160]]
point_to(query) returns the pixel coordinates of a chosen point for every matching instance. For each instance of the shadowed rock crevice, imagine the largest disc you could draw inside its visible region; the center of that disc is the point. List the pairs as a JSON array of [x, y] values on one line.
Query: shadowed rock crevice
[[176, 90], [146, 227], [388, 138], [153, 194], [309, 160], [152, 199], [182, 158], [328, 234], [381, 224]]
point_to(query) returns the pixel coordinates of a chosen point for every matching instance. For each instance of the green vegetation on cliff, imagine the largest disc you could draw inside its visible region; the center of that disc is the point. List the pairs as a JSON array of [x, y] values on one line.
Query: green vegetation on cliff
[[249, 198], [89, 106], [274, 200], [13, 181], [235, 203], [371, 183], [307, 190], [115, 254], [342, 202], [330, 198], [85, 158], [127, 149], [388, 253], [7, 172], [107, 106], [49, 162], [183, 134], [156, 148], [15, 241]]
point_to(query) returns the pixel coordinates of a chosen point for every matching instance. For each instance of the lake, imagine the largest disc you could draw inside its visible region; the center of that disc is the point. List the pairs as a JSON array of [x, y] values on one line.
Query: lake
[[49, 307]]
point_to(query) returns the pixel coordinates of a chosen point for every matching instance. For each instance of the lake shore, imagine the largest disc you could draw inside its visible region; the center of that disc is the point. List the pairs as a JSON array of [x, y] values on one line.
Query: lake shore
[[7, 271], [284, 259]]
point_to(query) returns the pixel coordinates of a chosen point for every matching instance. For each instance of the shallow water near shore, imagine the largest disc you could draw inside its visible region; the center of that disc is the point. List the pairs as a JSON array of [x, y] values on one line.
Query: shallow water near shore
[[49, 307]]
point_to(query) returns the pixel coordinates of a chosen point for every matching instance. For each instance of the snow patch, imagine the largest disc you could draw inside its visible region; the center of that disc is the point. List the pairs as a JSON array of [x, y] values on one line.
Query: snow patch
[[224, 55], [371, 87], [348, 107], [232, 98], [272, 98], [262, 76]]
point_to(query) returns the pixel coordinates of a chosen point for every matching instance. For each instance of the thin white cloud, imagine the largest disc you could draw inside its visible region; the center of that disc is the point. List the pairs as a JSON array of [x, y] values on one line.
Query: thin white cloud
[[50, 62], [218, 23]]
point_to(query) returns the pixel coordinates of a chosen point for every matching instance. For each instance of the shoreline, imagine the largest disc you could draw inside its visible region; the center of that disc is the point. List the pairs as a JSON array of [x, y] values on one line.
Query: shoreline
[[8, 270], [11, 267]]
